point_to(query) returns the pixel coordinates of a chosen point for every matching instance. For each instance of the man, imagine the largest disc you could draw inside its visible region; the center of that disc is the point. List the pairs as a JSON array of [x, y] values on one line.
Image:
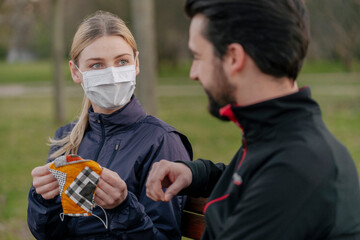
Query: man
[[291, 179]]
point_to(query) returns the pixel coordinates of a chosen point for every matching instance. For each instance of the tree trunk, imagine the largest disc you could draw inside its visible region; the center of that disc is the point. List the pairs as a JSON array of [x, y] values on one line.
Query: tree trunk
[[58, 60], [144, 30], [21, 21]]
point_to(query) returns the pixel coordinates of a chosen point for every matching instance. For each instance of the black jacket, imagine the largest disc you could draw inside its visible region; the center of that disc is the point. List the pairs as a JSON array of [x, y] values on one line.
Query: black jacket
[[291, 179]]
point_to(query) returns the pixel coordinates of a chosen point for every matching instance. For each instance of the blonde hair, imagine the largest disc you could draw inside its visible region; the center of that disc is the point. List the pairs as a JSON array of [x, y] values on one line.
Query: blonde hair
[[93, 27]]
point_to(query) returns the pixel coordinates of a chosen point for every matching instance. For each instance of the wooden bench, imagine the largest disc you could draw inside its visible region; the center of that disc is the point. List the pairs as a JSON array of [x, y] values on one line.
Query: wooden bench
[[193, 222]]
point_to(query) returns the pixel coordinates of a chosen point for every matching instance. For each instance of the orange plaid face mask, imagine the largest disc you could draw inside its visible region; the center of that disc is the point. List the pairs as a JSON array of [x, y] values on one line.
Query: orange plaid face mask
[[78, 179]]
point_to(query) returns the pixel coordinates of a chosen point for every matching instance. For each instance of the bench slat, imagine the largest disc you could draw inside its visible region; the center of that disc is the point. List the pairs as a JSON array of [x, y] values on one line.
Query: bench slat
[[195, 204], [194, 225], [193, 222]]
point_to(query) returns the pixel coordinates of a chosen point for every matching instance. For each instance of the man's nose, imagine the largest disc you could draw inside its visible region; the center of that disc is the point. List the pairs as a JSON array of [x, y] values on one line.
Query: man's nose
[[194, 72]]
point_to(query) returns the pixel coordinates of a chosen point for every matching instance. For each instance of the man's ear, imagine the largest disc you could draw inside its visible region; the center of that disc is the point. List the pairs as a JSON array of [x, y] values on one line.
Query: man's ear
[[137, 63], [75, 74], [234, 58]]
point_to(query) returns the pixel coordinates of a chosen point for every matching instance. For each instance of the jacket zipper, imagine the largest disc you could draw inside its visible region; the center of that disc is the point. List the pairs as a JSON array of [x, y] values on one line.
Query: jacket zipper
[[244, 152], [102, 140], [112, 155]]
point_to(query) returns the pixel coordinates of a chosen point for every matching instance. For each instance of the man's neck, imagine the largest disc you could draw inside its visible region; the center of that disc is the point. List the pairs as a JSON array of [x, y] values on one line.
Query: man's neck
[[253, 86], [263, 92]]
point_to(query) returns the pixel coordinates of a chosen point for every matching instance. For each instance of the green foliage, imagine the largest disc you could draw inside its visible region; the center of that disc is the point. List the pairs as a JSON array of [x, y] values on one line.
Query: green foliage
[[167, 70], [3, 52], [327, 66]]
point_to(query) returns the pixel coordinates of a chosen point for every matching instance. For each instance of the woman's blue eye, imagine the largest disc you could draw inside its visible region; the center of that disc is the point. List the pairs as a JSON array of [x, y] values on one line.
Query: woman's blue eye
[[96, 65], [123, 62]]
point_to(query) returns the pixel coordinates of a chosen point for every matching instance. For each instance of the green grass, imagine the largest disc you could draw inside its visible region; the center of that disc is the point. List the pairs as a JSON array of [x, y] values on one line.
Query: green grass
[[27, 122], [30, 72], [24, 129]]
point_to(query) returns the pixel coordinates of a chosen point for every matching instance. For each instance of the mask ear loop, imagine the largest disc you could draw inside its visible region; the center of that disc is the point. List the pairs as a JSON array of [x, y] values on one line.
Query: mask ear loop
[[106, 218], [78, 68], [62, 216]]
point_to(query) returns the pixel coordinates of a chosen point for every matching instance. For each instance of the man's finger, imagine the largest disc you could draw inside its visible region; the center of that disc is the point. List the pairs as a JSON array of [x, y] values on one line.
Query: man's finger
[[174, 189], [154, 185]]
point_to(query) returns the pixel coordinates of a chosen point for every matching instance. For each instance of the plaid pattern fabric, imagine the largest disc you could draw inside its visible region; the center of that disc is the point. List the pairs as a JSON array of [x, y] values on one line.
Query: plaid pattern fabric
[[82, 189]]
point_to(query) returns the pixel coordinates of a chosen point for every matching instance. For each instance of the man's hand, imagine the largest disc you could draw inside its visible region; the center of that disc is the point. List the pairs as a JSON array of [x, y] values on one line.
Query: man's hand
[[44, 182], [170, 175], [111, 190]]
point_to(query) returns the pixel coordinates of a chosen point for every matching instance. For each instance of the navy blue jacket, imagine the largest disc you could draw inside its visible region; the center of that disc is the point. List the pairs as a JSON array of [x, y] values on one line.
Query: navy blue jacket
[[127, 142]]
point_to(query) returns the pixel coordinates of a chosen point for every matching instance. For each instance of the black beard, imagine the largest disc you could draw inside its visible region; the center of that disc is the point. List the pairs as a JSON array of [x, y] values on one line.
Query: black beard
[[224, 96], [214, 108]]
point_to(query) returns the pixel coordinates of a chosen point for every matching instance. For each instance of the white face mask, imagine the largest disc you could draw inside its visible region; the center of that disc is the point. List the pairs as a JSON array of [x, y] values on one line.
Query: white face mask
[[109, 88]]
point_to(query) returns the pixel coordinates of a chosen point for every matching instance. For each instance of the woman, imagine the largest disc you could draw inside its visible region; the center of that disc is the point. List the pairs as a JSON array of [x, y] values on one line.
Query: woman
[[114, 131]]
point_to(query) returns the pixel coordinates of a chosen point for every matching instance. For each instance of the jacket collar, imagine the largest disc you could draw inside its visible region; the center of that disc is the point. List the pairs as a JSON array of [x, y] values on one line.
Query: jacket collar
[[119, 120], [258, 119]]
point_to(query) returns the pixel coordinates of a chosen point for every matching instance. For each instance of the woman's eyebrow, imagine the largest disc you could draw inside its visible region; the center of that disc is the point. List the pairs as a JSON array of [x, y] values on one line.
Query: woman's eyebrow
[[122, 55], [94, 59], [101, 59]]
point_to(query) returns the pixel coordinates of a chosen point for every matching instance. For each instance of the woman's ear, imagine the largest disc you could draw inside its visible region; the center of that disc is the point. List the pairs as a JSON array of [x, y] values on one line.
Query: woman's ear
[[75, 74], [137, 64], [235, 58]]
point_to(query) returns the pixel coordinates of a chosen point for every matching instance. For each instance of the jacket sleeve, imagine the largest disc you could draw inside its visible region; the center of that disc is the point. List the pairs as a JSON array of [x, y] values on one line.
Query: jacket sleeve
[[43, 215], [205, 176], [285, 200], [139, 217]]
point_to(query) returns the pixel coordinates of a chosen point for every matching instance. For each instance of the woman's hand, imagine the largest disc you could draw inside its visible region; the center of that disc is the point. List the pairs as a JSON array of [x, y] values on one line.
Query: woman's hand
[[44, 182], [111, 190]]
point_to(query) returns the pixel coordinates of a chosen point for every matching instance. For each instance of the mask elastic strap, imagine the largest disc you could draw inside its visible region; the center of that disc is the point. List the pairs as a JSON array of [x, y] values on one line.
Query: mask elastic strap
[[62, 215], [78, 68], [106, 219]]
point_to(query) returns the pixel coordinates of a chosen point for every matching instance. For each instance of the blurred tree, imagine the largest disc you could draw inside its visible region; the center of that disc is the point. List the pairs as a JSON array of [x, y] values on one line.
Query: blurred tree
[[172, 31], [25, 27], [58, 59], [21, 20], [335, 30], [144, 31]]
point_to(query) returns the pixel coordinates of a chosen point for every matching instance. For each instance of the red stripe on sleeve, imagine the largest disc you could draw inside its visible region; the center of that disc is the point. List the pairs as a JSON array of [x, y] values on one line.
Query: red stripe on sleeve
[[214, 201]]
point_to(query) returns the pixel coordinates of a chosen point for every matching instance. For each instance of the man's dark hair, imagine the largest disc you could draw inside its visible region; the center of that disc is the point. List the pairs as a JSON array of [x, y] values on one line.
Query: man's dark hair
[[274, 33]]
